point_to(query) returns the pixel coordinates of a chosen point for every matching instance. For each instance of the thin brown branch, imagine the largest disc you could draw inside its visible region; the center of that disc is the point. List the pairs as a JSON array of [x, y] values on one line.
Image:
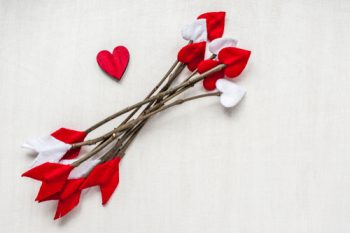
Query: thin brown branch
[[113, 116]]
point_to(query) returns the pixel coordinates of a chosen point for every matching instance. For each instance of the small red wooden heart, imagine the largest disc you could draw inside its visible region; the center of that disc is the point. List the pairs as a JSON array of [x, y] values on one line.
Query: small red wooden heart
[[114, 64]]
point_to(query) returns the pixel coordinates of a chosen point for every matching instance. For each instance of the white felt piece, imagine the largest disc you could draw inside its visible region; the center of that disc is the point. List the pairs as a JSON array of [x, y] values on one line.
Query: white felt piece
[[231, 95], [196, 31], [82, 169], [216, 45], [68, 161], [49, 149], [44, 143], [52, 156]]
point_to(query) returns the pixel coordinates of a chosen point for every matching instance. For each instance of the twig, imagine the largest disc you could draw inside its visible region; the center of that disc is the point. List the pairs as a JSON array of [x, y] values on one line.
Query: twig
[[146, 116], [155, 97], [95, 151], [113, 116]]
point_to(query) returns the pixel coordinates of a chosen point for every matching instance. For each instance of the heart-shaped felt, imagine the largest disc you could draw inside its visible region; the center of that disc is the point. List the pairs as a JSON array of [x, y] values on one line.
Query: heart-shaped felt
[[235, 59], [196, 31], [114, 64], [210, 80], [231, 94], [215, 24], [192, 54], [218, 44]]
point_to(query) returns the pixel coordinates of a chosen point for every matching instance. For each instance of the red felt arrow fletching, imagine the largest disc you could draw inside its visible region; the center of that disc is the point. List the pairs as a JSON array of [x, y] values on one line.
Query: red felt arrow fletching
[[64, 206], [69, 136], [106, 176], [53, 177]]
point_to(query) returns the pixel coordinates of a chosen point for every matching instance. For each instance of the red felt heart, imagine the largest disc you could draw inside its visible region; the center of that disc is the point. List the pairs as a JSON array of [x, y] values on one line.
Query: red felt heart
[[192, 54], [235, 59], [215, 24], [210, 80], [114, 64]]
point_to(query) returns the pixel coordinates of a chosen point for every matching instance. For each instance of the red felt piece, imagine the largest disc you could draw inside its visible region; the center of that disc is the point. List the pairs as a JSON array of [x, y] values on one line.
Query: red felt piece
[[107, 189], [209, 81], [53, 197], [66, 205], [72, 153], [106, 176], [236, 60], [99, 175], [53, 177], [114, 64], [69, 136], [61, 172], [215, 24], [39, 172], [49, 190], [71, 187], [192, 54]]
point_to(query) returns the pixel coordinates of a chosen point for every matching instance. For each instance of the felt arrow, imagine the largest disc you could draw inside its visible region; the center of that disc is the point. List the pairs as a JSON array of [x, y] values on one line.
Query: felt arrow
[[66, 205], [50, 190], [69, 197], [70, 136], [76, 174], [106, 176], [53, 177], [56, 146]]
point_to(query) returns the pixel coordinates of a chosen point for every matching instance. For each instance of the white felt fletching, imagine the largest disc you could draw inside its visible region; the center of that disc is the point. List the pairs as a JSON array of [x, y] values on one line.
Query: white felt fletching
[[231, 94], [68, 161], [83, 169], [49, 149], [196, 31], [216, 45]]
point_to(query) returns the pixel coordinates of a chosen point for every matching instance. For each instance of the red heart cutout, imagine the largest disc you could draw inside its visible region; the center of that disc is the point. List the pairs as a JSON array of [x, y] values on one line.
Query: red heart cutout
[[210, 81], [192, 54], [215, 24], [235, 59], [114, 64]]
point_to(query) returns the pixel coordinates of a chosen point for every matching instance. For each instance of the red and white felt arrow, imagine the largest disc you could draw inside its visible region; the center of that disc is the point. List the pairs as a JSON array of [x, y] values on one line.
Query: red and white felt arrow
[[56, 146]]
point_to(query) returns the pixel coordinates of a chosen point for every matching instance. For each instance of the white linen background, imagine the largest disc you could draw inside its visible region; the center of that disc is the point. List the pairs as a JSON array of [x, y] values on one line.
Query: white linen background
[[278, 163]]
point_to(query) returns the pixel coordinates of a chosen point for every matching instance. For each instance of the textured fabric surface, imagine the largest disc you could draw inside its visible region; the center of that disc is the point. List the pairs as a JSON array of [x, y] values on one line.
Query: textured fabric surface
[[278, 163]]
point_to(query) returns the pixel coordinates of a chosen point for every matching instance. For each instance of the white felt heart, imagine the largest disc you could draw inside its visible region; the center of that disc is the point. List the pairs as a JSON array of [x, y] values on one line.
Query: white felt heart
[[231, 94], [216, 45], [196, 31]]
